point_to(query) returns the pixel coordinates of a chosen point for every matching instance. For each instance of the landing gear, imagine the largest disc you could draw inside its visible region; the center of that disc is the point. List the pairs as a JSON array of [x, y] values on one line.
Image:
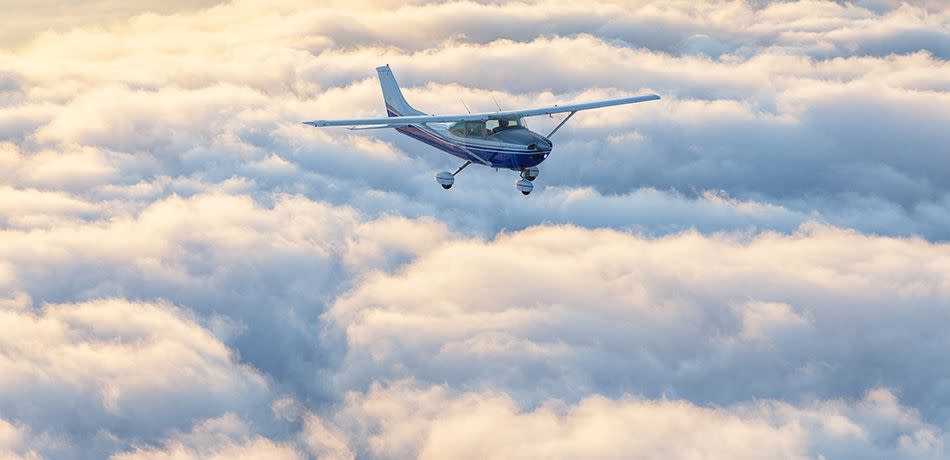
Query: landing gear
[[530, 173], [524, 186], [447, 179]]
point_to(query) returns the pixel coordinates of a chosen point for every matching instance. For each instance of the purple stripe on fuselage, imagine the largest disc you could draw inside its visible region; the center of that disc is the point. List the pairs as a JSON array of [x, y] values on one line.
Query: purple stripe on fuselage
[[436, 142]]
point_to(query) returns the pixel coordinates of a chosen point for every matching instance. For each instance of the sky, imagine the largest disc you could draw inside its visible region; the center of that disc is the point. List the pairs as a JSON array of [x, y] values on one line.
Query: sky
[[756, 266]]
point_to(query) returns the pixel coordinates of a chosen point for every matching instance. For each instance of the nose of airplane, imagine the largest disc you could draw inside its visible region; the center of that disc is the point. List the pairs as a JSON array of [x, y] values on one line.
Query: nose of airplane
[[544, 143], [541, 145]]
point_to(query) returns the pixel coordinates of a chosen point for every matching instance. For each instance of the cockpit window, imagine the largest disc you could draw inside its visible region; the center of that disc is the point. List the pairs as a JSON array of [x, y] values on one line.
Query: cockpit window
[[468, 129], [484, 128], [474, 129]]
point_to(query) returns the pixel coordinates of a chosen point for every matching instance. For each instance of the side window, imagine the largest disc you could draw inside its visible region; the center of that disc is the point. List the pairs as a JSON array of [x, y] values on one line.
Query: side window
[[475, 129], [458, 129], [491, 126]]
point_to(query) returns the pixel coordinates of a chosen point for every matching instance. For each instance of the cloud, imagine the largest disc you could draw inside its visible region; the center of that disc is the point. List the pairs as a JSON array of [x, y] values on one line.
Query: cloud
[[405, 421], [773, 125], [39, 16], [32, 208], [821, 28], [563, 312], [224, 437], [132, 369], [269, 270], [571, 312], [13, 442]]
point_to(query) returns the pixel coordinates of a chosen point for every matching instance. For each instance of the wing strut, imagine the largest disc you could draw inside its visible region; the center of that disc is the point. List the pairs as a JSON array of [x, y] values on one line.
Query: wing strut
[[462, 167], [477, 157], [568, 117]]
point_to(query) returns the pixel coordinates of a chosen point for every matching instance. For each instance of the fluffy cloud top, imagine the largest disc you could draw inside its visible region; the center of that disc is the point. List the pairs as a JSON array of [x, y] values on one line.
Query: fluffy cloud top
[[114, 361], [711, 319], [402, 421], [225, 437]]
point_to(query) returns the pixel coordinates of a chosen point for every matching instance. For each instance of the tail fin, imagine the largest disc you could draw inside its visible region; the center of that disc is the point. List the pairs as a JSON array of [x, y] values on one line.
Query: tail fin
[[396, 104]]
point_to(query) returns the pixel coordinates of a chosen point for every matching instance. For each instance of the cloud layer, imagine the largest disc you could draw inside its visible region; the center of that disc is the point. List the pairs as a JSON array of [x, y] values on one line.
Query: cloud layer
[[752, 267], [403, 421], [710, 319]]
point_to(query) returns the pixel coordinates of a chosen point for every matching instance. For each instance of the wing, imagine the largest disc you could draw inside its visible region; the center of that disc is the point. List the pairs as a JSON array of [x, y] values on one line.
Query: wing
[[391, 122], [398, 120], [577, 107]]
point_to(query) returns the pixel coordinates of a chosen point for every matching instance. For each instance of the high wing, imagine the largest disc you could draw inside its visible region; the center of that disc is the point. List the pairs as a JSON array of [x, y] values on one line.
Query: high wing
[[398, 120], [421, 119], [577, 107]]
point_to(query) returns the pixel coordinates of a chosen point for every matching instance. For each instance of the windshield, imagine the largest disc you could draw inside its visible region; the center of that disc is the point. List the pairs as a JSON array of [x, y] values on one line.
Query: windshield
[[493, 126]]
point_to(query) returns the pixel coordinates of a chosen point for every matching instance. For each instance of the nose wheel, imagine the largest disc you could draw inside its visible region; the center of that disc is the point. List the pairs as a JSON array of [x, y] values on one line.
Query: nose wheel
[[524, 186], [530, 173]]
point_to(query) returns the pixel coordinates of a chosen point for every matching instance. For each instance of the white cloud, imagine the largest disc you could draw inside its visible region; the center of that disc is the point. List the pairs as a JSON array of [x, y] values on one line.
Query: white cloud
[[404, 421], [561, 312], [764, 319], [14, 442], [116, 361], [225, 437]]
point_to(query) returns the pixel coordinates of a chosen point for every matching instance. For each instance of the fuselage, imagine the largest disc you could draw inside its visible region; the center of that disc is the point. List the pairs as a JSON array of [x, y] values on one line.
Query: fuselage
[[507, 145]]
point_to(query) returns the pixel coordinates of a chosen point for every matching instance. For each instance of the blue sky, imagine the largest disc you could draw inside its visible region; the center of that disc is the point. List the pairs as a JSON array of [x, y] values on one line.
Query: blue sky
[[755, 266]]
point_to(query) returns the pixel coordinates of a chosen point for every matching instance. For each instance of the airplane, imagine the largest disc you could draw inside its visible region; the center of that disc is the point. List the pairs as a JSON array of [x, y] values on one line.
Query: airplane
[[499, 140]]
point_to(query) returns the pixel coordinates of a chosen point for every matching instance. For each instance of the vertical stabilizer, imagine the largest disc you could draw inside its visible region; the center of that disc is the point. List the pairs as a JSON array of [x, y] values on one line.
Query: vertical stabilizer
[[396, 104]]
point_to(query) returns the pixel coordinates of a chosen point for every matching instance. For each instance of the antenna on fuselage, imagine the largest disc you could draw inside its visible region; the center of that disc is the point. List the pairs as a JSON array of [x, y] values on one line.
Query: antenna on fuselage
[[496, 103], [466, 107]]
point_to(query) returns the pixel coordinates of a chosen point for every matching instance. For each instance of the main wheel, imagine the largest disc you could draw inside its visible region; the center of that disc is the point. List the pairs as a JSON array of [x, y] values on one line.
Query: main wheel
[[445, 179]]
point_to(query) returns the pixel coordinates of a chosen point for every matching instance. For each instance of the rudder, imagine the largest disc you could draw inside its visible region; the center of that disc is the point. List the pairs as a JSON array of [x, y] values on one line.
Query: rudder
[[396, 104]]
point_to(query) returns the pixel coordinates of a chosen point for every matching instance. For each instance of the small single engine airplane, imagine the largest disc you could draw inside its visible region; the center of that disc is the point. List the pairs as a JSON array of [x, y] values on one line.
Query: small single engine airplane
[[496, 140]]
